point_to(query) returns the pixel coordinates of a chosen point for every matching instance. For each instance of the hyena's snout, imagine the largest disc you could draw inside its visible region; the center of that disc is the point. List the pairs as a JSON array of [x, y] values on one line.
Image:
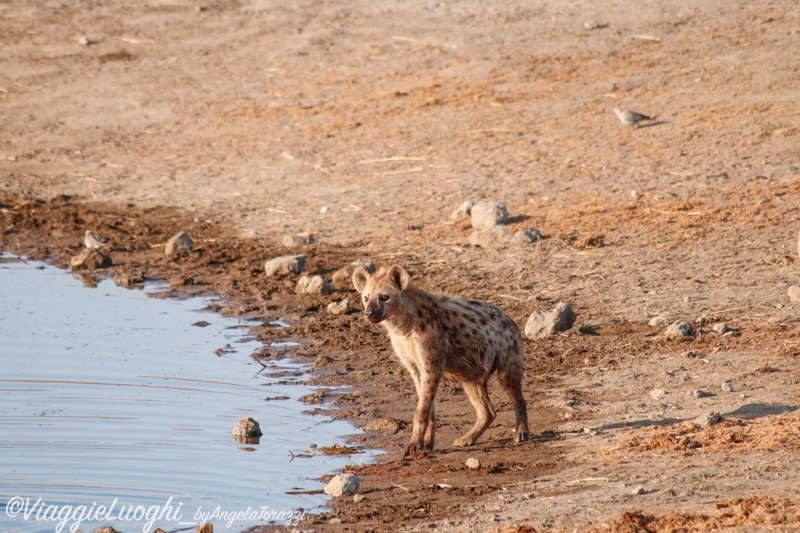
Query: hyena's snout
[[373, 313]]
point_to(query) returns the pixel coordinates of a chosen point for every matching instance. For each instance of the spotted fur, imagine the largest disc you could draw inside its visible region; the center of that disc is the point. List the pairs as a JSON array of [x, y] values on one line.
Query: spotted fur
[[436, 336]]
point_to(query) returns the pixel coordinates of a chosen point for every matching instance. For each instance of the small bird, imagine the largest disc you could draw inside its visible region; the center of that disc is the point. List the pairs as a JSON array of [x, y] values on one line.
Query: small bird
[[90, 240], [630, 118]]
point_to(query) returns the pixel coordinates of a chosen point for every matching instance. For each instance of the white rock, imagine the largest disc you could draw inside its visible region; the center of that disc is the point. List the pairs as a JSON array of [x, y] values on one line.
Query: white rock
[[344, 275], [635, 491], [658, 322], [727, 387], [658, 394], [543, 323], [528, 236], [679, 329], [473, 463], [487, 214], [247, 427], [179, 243], [721, 328], [288, 264], [296, 241], [342, 484], [493, 237], [463, 210], [706, 420], [794, 293], [313, 285], [324, 209], [342, 307]]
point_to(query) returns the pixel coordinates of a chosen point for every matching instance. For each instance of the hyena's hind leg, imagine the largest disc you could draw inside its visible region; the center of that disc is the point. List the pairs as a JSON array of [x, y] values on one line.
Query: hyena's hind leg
[[512, 383], [479, 398]]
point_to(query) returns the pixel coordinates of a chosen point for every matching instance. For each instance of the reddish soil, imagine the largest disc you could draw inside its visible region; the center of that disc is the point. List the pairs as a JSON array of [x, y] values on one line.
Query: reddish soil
[[367, 124]]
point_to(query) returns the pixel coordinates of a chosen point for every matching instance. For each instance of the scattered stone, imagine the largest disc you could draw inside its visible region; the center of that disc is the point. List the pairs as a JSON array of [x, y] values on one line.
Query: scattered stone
[[635, 491], [342, 484], [324, 209], [90, 259], [463, 210], [384, 425], [473, 463], [247, 427], [342, 307], [287, 264], [544, 323], [679, 329], [487, 214], [697, 393], [529, 236], [658, 322], [689, 355], [794, 293], [706, 420], [199, 220], [357, 498], [208, 527], [179, 243], [129, 279], [84, 40], [493, 237], [296, 241], [727, 387], [344, 275], [658, 394], [313, 285], [721, 328]]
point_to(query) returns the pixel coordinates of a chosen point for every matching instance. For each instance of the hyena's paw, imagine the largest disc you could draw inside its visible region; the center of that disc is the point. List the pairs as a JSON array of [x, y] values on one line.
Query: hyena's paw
[[413, 447], [522, 436], [466, 440]]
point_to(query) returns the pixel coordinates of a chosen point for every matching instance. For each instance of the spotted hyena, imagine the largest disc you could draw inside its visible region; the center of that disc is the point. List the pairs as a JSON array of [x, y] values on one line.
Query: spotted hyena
[[437, 336]]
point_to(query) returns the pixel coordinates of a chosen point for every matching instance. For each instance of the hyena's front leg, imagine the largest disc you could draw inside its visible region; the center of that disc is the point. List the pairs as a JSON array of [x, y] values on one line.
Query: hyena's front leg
[[424, 427]]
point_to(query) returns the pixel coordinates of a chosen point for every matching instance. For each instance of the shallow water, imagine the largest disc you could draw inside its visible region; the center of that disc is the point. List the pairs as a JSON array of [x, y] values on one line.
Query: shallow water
[[109, 397]]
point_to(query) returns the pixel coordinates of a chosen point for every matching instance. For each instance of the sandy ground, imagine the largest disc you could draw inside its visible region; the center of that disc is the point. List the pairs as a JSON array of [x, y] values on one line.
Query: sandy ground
[[367, 124]]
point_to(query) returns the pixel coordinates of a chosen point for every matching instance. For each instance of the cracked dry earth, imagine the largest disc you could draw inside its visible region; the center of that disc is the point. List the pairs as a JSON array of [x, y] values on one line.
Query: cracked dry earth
[[367, 124]]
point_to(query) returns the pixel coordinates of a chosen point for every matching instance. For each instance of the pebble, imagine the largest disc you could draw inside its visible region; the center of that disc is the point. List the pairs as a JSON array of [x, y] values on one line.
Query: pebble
[[324, 209], [247, 427], [180, 242], [383, 425], [679, 329], [697, 393], [357, 498], [658, 394], [472, 463], [529, 236], [543, 323], [488, 214], [84, 40], [90, 259], [313, 285], [688, 355], [706, 420], [463, 210], [493, 237], [91, 240], [342, 307], [288, 264], [721, 328], [296, 241], [129, 279], [794, 293], [342, 484], [727, 387], [638, 490], [658, 322]]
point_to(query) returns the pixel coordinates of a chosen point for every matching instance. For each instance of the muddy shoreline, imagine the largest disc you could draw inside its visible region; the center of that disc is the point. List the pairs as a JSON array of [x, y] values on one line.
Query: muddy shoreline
[[578, 385]]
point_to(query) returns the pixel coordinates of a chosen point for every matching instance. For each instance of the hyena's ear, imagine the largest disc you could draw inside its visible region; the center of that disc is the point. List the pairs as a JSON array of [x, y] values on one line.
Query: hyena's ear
[[360, 278], [399, 276]]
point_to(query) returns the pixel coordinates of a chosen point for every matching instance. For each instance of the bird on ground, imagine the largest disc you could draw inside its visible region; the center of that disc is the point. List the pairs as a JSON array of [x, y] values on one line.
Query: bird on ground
[[91, 240], [630, 118]]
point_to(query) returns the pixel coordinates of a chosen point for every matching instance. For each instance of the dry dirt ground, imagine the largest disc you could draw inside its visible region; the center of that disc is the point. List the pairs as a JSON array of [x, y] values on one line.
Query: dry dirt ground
[[367, 124]]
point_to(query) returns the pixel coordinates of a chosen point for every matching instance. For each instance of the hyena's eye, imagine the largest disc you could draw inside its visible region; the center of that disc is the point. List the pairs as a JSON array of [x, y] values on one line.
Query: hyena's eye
[[384, 297]]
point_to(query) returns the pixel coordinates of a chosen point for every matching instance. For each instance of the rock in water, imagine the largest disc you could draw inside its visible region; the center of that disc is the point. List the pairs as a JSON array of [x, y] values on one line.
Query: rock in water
[[342, 484], [90, 259], [247, 427]]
